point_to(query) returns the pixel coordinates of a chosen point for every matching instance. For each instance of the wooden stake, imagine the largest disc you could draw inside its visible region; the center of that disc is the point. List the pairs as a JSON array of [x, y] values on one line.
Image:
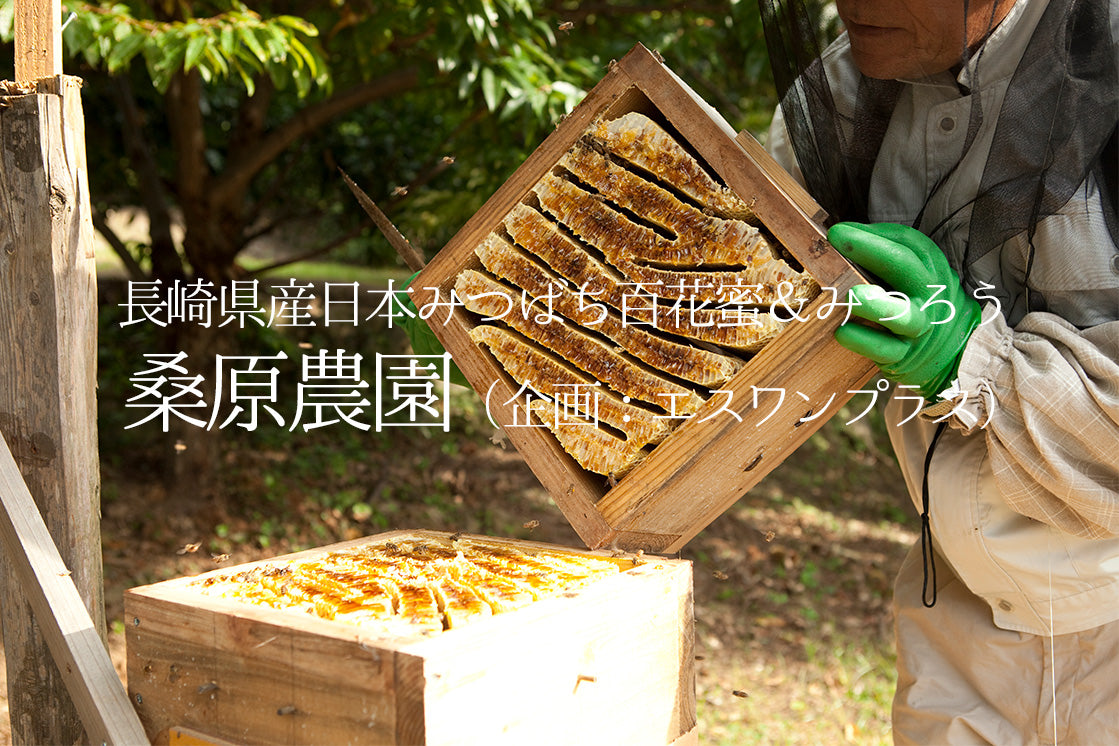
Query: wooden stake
[[74, 640], [408, 253], [38, 27]]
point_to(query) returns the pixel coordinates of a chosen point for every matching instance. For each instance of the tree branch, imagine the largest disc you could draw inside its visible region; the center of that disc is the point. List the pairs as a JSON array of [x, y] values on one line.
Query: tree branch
[[241, 171], [131, 266], [438, 163], [327, 247], [253, 213]]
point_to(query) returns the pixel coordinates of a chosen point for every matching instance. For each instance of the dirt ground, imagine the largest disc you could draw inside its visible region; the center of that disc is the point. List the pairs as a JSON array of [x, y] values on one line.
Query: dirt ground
[[792, 584]]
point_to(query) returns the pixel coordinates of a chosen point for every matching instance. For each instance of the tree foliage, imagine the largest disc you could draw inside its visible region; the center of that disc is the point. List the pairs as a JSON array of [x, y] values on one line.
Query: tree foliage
[[230, 120], [237, 42]]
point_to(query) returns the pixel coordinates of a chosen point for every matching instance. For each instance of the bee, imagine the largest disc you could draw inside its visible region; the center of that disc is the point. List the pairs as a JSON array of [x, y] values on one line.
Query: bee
[[740, 693], [190, 548], [566, 26], [531, 525], [719, 575], [219, 558], [770, 535], [455, 536]]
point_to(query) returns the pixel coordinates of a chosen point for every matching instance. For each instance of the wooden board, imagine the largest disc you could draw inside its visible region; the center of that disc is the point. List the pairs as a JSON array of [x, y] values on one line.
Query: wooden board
[[75, 643], [730, 444], [609, 663], [48, 376]]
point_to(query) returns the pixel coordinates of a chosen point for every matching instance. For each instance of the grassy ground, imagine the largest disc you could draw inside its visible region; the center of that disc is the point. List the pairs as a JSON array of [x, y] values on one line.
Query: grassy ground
[[792, 584]]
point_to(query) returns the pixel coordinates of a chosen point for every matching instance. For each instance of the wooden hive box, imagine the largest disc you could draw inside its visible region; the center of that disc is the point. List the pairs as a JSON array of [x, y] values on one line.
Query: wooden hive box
[[770, 406], [608, 663]]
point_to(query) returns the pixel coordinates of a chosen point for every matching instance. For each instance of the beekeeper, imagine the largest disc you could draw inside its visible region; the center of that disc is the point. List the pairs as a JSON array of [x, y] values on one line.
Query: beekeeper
[[970, 150]]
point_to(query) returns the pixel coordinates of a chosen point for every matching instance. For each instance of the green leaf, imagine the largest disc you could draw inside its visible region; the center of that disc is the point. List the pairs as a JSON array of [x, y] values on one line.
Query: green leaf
[[125, 49], [276, 41], [196, 47], [122, 28], [248, 38], [247, 80], [228, 41], [7, 20], [217, 62], [78, 37], [304, 57], [297, 24], [490, 89]]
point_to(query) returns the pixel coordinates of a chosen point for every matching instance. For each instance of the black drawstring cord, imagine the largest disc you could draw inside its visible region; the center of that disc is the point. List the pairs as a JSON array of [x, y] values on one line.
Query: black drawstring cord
[[928, 563]]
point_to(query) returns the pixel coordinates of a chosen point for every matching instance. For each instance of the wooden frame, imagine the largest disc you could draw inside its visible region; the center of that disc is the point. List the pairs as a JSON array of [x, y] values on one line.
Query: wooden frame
[[609, 663], [722, 451]]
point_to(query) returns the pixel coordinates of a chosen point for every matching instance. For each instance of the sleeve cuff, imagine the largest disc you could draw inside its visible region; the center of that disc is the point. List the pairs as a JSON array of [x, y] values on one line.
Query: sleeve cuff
[[968, 402]]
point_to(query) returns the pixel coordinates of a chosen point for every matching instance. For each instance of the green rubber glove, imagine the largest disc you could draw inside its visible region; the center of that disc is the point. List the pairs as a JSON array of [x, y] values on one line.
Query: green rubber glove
[[925, 314], [424, 342]]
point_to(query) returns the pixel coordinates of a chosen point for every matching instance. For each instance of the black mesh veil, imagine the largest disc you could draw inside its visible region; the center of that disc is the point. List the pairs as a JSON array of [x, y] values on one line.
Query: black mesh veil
[[1055, 130], [835, 151], [1056, 126]]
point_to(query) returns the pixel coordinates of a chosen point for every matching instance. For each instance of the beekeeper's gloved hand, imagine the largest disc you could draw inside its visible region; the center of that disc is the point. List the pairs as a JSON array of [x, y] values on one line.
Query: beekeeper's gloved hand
[[926, 314], [424, 342]]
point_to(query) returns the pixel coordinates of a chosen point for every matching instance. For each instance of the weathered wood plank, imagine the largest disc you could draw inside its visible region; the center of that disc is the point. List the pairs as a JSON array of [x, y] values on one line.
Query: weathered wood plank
[[38, 32], [48, 340], [70, 633]]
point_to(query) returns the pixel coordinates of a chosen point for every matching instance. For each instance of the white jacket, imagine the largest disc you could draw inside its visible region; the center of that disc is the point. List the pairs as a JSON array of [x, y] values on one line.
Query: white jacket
[[1024, 485]]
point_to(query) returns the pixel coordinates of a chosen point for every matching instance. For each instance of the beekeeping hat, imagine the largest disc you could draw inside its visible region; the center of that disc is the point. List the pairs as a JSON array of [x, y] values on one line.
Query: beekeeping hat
[[1055, 127]]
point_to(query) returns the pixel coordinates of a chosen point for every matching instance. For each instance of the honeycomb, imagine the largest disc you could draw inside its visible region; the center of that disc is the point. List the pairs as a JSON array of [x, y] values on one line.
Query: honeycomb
[[626, 287], [410, 587]]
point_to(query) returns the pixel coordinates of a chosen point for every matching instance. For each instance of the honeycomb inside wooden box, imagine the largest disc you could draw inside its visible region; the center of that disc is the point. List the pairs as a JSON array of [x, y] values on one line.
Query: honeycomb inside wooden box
[[625, 290], [408, 586], [419, 637], [627, 294]]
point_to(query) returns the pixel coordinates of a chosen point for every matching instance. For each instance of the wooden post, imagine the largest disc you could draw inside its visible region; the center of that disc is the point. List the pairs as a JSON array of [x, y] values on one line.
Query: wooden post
[[48, 338], [38, 26]]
